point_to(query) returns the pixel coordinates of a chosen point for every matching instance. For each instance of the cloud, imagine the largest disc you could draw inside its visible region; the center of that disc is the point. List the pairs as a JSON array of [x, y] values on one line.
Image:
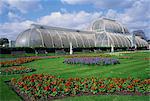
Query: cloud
[[11, 30], [73, 2], [136, 17], [23, 6], [14, 17], [112, 14], [2, 6], [77, 20], [140, 10], [63, 10], [102, 3]]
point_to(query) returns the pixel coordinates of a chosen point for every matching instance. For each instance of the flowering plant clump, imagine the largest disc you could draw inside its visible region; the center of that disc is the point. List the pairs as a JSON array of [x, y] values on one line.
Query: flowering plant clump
[[16, 70], [17, 61], [92, 61], [39, 86], [147, 59], [125, 57], [87, 55]]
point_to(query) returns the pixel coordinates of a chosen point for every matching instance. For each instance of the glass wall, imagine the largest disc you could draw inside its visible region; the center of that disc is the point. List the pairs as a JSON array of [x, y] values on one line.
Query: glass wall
[[55, 38]]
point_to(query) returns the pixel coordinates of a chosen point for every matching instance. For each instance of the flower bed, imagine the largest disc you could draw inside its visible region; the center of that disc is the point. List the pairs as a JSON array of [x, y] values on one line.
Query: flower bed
[[147, 59], [125, 57], [17, 61], [87, 55], [92, 61], [42, 87], [16, 70]]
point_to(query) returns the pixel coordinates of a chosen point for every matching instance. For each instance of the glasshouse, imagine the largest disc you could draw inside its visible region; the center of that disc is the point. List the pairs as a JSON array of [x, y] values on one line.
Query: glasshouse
[[103, 33]]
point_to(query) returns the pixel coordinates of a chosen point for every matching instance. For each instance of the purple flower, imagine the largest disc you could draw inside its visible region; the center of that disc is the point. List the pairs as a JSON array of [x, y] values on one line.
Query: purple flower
[[92, 61]]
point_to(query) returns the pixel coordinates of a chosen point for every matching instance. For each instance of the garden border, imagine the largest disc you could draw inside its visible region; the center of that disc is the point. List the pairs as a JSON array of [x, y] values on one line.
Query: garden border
[[124, 93], [33, 70]]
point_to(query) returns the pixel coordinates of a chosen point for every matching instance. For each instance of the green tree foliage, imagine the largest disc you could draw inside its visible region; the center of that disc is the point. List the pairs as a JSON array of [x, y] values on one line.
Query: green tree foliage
[[3, 41]]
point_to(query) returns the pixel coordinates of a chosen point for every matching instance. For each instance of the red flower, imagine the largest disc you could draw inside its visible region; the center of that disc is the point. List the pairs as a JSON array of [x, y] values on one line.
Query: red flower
[[32, 80], [68, 84], [135, 81], [102, 86], [119, 86], [53, 83], [47, 88], [130, 86], [111, 85], [39, 85], [54, 90], [20, 83], [26, 87]]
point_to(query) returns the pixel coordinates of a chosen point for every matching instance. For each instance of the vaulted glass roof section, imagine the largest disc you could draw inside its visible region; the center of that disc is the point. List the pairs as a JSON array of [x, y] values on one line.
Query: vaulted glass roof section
[[55, 37], [104, 33], [109, 26]]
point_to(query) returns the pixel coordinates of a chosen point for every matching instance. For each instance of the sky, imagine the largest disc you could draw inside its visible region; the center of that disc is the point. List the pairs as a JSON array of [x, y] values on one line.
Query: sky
[[17, 15]]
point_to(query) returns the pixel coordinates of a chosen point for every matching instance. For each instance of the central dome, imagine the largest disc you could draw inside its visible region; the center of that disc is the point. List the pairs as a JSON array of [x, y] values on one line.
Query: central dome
[[108, 25]]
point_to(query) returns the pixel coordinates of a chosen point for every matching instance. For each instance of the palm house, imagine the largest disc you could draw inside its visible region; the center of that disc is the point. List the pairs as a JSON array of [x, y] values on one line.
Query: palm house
[[103, 33]]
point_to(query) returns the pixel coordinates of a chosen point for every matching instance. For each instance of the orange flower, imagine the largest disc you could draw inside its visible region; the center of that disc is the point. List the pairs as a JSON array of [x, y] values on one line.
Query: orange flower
[[47, 88], [68, 84], [67, 89], [53, 83], [102, 86], [77, 86], [147, 81], [93, 88], [111, 85], [26, 87], [130, 86], [54, 90]]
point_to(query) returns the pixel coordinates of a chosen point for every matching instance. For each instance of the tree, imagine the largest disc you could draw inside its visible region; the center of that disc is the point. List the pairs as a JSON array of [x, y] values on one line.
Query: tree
[[139, 33], [4, 41]]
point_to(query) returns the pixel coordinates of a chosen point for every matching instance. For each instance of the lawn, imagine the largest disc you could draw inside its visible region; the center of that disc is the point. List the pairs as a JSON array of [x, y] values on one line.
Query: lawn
[[23, 55], [136, 66]]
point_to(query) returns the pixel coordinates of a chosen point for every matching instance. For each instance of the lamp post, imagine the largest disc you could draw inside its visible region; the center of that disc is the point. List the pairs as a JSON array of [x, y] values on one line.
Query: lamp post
[[71, 51], [112, 48]]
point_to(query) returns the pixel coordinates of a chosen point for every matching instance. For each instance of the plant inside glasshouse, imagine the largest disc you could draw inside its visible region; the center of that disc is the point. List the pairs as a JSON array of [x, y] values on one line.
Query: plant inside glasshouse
[[92, 61]]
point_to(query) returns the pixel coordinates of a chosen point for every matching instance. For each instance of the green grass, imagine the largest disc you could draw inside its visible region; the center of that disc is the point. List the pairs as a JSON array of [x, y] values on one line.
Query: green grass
[[106, 98], [128, 67], [23, 55], [136, 68]]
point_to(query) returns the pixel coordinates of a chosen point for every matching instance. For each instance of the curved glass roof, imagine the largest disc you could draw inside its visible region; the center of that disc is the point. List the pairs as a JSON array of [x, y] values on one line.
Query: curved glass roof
[[118, 40], [109, 39], [53, 37], [110, 33], [109, 25]]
